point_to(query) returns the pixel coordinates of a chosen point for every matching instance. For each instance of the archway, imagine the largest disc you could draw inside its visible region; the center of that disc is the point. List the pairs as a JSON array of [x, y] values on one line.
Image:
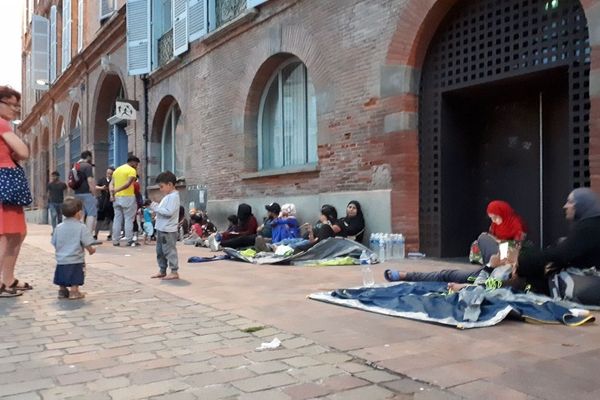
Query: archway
[[109, 141], [504, 113]]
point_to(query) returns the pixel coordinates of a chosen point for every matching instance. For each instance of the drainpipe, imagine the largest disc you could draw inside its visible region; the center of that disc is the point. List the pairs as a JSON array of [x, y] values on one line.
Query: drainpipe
[[146, 137]]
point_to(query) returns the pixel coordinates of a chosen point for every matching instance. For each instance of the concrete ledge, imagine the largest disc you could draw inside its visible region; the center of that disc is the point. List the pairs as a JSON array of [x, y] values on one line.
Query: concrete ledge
[[284, 171]]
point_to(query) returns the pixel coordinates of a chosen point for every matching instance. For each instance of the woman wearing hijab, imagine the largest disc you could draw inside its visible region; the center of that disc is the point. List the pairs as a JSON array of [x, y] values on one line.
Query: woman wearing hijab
[[567, 266], [245, 235], [507, 226], [353, 224]]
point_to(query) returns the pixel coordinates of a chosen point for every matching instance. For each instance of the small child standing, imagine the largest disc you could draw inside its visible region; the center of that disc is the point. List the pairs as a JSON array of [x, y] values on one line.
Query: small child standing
[[69, 239], [147, 224], [167, 226]]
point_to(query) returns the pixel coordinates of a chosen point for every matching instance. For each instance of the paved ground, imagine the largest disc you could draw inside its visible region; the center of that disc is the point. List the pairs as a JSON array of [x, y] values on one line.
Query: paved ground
[[134, 337]]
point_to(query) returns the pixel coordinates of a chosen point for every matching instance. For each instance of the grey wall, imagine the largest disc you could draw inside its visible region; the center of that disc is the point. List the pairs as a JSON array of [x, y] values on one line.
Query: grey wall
[[376, 205]]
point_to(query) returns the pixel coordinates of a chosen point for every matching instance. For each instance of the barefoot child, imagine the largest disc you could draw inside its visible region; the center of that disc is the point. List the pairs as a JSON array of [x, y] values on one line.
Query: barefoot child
[[167, 226], [69, 239]]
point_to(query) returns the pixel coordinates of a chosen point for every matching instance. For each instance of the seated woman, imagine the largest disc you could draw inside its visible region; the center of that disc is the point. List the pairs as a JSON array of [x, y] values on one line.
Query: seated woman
[[506, 225], [353, 224], [572, 257], [328, 226], [285, 226], [243, 237]]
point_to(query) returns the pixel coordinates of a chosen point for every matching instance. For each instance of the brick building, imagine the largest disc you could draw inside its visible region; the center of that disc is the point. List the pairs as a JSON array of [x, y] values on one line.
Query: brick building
[[423, 110]]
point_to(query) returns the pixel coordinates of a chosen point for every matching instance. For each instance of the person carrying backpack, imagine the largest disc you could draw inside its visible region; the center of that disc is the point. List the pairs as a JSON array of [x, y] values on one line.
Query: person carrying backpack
[[81, 180]]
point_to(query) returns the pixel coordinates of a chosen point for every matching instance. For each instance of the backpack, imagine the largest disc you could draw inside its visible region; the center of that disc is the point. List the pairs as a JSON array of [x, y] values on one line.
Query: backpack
[[75, 176]]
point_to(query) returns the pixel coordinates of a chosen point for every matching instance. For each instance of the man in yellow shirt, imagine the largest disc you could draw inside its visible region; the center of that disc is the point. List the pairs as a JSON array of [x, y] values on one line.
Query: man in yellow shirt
[[122, 194]]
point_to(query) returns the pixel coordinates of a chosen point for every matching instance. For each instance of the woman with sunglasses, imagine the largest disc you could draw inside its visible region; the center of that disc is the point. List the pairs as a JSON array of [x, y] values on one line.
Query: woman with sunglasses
[[12, 218]]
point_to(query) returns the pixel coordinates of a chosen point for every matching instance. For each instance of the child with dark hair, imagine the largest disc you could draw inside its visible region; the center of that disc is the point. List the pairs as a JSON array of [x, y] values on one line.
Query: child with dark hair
[[233, 223], [147, 225], [70, 238], [167, 226]]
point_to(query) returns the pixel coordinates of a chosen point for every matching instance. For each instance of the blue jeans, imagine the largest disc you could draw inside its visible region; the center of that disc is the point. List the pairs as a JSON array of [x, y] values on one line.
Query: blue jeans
[[55, 214]]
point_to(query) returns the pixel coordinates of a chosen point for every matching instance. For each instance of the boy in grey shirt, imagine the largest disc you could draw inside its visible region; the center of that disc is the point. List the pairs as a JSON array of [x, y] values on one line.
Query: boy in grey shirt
[[69, 239], [166, 227]]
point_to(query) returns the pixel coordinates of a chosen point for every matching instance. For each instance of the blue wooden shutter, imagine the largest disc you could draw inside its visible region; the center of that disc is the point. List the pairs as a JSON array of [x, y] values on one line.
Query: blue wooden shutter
[[40, 52], [180, 28], [53, 44], [254, 3], [138, 37], [197, 19]]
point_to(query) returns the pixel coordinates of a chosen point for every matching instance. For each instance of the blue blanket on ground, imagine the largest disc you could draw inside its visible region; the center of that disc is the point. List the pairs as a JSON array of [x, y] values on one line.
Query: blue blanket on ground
[[470, 308]]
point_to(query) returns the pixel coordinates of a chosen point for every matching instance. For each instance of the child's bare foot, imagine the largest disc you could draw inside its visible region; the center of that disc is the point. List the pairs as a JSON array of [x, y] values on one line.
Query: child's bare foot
[[455, 287], [171, 276], [159, 275], [76, 295]]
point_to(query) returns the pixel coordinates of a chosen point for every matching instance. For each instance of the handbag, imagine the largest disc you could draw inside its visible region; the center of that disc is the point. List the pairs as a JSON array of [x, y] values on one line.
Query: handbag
[[14, 188]]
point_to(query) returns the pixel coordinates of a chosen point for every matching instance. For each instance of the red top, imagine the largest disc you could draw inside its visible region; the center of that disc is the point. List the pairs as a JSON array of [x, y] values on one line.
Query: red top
[[512, 226], [197, 228], [5, 151]]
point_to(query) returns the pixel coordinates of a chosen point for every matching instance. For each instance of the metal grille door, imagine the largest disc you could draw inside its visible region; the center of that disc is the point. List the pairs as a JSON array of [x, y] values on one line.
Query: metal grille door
[[484, 41]]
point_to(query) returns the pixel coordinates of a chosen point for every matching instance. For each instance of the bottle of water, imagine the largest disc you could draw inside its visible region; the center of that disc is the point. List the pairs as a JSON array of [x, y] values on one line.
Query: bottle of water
[[388, 247], [401, 247], [373, 242], [382, 249], [367, 273]]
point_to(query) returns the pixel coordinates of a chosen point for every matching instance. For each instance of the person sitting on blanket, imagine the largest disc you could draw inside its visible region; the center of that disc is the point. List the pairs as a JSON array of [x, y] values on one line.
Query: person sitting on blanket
[[573, 258], [457, 278], [328, 226], [264, 233], [243, 237], [285, 226], [506, 226], [196, 232], [353, 224]]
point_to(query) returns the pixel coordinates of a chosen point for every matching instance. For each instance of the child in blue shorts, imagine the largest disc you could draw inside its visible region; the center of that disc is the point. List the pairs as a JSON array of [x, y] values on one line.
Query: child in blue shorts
[[148, 226], [70, 238]]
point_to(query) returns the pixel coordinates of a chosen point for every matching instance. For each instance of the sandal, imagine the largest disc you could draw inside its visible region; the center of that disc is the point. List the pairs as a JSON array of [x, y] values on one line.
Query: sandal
[[25, 286], [63, 293], [159, 275], [392, 275], [4, 292]]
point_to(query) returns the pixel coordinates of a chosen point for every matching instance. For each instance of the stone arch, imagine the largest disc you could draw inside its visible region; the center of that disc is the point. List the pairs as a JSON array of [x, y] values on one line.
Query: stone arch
[[165, 105], [409, 53], [294, 41], [108, 89]]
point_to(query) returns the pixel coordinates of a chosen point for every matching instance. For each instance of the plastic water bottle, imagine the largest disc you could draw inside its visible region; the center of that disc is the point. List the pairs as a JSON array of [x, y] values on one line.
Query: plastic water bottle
[[373, 242], [401, 247], [388, 247], [367, 273], [382, 249]]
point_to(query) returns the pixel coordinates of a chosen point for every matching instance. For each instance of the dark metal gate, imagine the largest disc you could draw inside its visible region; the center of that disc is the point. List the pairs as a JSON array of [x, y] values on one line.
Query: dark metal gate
[[482, 42]]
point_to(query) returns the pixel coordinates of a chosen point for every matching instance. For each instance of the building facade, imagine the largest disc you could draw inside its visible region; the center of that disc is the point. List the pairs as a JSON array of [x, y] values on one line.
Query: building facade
[[422, 110]]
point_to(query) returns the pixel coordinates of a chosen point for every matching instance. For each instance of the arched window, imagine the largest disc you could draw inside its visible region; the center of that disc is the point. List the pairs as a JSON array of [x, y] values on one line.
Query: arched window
[[171, 159], [287, 121]]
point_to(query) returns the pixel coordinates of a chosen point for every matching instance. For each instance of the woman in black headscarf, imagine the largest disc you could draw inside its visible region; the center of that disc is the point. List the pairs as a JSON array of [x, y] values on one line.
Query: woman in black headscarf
[[579, 250], [246, 232], [353, 224]]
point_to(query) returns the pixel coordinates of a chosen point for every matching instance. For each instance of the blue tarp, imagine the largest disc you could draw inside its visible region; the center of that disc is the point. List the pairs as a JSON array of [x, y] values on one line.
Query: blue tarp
[[470, 308]]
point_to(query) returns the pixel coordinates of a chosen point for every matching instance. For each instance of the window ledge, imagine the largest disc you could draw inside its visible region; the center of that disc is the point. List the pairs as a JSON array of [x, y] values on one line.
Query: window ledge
[[226, 28], [179, 184], [283, 171]]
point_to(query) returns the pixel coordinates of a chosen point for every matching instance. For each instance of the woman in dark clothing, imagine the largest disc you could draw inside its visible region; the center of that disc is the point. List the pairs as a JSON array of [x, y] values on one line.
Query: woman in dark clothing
[[106, 213], [579, 250], [328, 226], [353, 224], [245, 235]]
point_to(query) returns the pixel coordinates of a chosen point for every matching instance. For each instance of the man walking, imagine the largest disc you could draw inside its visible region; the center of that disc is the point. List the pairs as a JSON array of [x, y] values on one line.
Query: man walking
[[56, 191], [86, 191], [122, 195]]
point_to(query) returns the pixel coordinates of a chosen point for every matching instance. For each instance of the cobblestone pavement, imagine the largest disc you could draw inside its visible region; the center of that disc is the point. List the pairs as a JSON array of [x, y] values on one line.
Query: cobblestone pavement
[[129, 341]]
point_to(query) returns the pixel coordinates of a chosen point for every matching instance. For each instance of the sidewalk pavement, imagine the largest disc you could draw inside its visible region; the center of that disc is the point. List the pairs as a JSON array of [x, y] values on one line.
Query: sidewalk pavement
[[134, 337]]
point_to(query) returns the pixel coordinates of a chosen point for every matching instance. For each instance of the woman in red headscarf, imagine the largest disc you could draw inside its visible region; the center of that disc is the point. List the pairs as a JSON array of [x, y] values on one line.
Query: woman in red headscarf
[[507, 226]]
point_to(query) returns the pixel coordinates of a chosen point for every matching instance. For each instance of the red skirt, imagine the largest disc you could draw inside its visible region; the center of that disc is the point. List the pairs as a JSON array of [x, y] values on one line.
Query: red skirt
[[12, 219]]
